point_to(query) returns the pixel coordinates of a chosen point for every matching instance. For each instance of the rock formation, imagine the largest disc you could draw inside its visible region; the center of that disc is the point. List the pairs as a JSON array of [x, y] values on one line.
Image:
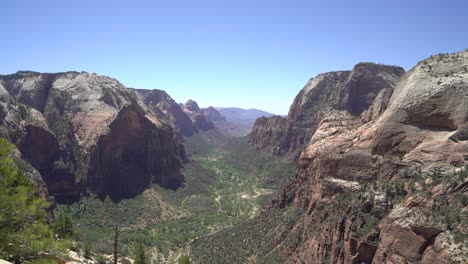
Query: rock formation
[[353, 91], [402, 145], [212, 115], [382, 177], [221, 124], [81, 130], [160, 102], [199, 121]]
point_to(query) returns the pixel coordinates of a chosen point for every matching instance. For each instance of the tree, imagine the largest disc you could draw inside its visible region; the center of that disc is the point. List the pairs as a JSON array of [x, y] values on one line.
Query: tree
[[139, 254], [63, 225], [116, 244], [23, 228], [87, 250], [184, 260]]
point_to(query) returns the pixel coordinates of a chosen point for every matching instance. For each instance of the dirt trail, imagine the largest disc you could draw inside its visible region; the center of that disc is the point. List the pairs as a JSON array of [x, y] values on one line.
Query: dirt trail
[[167, 211]]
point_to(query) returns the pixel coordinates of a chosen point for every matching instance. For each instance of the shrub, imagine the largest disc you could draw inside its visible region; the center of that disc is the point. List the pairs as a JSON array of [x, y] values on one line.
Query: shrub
[[184, 260], [125, 261], [87, 250], [100, 259], [139, 254]]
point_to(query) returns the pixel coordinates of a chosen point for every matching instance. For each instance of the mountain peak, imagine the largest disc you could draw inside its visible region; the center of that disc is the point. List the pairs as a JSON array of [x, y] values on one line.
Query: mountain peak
[[192, 106]]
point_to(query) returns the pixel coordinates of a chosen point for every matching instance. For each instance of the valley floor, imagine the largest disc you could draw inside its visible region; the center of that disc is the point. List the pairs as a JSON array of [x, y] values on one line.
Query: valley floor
[[227, 182]]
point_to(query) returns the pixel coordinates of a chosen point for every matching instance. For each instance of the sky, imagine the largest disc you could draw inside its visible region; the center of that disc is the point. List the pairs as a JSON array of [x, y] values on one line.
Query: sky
[[242, 53]]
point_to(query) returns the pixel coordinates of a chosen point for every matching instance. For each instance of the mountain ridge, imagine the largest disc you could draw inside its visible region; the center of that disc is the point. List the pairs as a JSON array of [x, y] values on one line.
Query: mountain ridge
[[383, 181], [70, 127]]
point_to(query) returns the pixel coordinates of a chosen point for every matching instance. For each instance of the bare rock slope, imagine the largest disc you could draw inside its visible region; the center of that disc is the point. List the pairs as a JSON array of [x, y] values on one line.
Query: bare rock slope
[[162, 104], [82, 130], [353, 91], [200, 122]]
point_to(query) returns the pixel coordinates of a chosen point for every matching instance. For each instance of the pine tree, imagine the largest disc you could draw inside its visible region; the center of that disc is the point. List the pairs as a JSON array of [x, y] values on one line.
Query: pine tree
[[87, 250], [63, 225], [139, 254], [23, 228]]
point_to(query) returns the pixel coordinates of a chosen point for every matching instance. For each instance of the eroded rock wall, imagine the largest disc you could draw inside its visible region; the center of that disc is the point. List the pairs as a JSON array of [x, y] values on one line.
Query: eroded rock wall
[[353, 91], [82, 130], [382, 181], [389, 190]]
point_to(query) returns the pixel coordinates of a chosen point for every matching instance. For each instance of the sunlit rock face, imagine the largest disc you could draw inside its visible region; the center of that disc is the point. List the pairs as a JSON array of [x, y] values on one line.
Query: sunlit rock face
[[421, 126], [160, 102], [82, 130], [382, 172], [352, 91], [199, 121]]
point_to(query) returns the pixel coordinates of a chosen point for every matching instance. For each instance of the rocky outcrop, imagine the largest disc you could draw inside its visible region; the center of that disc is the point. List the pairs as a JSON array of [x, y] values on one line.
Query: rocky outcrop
[[81, 130], [383, 181], [199, 121], [352, 91], [160, 102], [272, 134], [212, 115], [412, 133], [409, 131]]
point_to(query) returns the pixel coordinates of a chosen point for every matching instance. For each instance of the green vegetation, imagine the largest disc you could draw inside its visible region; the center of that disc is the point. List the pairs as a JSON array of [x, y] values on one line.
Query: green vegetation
[[279, 231], [254, 239], [24, 112], [225, 184], [184, 260], [63, 225], [25, 234], [96, 219], [139, 254], [100, 259], [373, 64], [87, 250]]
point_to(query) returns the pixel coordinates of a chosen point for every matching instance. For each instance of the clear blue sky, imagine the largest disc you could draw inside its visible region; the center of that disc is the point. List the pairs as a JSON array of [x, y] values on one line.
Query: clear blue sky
[[245, 53]]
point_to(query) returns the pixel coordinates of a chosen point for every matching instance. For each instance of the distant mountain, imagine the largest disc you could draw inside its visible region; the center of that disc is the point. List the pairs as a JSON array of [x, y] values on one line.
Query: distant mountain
[[211, 114], [242, 119]]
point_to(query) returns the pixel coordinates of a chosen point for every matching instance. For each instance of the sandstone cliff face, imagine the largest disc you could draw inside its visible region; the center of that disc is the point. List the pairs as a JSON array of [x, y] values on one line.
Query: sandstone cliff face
[[380, 181], [273, 134], [199, 121], [353, 91], [80, 130], [160, 102], [367, 188]]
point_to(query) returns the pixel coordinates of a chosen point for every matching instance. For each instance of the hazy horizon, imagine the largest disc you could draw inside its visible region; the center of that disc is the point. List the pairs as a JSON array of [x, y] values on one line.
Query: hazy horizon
[[231, 53]]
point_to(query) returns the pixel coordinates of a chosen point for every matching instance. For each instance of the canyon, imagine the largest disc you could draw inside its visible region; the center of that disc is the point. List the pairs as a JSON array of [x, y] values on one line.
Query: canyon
[[381, 171], [378, 157]]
